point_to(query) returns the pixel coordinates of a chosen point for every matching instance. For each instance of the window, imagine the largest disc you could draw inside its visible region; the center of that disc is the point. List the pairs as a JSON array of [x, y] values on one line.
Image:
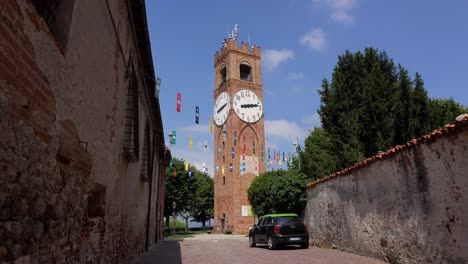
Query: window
[[245, 71], [147, 164], [57, 14], [287, 219], [131, 137], [223, 74]]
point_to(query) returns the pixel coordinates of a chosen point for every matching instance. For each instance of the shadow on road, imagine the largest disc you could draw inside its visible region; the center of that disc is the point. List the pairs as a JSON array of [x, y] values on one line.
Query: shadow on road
[[163, 252], [289, 247]]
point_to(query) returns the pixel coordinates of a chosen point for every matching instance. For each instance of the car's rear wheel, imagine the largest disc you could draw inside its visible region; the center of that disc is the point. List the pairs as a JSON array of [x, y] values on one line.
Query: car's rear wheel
[[271, 243], [252, 241]]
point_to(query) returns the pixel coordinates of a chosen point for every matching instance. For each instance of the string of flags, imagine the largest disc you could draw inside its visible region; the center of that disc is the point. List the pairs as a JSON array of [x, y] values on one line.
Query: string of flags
[[270, 160]]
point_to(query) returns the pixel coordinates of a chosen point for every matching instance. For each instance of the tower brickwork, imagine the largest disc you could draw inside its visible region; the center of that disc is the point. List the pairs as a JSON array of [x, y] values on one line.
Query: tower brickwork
[[239, 134]]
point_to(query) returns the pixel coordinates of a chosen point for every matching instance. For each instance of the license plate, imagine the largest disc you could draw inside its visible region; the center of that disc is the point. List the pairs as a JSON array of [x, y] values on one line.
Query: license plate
[[294, 238]]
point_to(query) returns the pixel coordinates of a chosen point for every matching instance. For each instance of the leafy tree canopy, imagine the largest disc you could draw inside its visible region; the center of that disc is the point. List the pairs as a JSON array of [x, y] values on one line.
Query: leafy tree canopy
[[278, 191], [371, 104], [193, 195]]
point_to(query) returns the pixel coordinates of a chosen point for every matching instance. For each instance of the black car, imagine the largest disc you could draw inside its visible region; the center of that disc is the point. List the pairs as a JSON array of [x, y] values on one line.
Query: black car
[[279, 229]]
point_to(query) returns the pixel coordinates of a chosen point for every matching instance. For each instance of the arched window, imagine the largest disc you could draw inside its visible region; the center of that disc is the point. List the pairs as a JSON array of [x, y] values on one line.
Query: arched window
[[245, 71], [223, 74]]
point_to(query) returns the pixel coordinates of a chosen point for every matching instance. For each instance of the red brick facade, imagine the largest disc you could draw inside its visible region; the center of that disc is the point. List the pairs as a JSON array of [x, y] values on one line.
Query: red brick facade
[[231, 187], [68, 193]]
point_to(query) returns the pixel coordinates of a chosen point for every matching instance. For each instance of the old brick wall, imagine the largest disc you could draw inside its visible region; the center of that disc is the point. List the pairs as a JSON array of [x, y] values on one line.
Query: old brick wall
[[67, 194], [407, 205]]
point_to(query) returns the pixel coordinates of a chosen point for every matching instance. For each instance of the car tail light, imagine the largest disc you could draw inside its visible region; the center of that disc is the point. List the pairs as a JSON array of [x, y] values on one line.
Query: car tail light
[[305, 227], [277, 229]]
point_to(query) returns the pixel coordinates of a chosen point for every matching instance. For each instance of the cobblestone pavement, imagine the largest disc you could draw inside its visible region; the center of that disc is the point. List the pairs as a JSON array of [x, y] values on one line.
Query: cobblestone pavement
[[218, 249]]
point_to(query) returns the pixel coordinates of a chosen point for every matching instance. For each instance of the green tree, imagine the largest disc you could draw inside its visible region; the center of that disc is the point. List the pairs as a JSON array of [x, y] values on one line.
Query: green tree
[[420, 112], [317, 158], [278, 191], [370, 105], [194, 196], [442, 112], [177, 189], [403, 111], [202, 202]]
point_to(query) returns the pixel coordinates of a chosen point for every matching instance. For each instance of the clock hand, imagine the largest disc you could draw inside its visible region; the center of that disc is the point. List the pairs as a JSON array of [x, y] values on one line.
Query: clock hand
[[221, 108], [249, 105]]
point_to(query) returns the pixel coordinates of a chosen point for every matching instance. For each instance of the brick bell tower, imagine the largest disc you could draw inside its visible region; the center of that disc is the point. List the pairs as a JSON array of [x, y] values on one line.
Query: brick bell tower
[[239, 134]]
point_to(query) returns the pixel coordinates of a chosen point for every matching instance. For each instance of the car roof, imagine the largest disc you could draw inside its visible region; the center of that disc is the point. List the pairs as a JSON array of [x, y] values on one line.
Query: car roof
[[279, 215]]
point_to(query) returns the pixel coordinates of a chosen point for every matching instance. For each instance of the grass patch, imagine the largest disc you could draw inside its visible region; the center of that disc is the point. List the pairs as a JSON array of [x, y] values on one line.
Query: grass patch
[[183, 234]]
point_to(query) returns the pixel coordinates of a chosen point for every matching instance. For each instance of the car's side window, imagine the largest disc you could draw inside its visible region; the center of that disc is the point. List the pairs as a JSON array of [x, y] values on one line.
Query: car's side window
[[260, 222], [267, 221]]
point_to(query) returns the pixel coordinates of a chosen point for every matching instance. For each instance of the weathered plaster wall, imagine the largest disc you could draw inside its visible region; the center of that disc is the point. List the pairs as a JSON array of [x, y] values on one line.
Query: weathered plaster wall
[[61, 135], [408, 205]]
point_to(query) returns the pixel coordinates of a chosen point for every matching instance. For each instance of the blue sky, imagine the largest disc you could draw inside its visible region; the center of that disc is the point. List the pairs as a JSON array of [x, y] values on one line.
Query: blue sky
[[300, 41]]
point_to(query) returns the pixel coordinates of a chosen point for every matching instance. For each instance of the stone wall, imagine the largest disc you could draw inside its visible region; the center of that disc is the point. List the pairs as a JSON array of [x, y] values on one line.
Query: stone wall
[[407, 205], [67, 192]]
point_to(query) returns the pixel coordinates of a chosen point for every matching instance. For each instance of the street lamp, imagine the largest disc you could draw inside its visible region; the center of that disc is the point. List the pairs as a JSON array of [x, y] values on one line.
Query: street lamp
[[173, 217]]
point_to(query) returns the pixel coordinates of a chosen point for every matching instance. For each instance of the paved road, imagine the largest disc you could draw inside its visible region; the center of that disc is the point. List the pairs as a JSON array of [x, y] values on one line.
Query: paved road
[[218, 249]]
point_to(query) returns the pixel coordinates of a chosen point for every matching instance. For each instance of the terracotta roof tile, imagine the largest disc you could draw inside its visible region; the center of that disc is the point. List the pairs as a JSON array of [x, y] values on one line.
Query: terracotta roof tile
[[462, 124]]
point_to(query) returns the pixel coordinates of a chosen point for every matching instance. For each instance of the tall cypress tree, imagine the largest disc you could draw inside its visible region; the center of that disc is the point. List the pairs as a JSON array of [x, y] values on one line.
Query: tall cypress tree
[[403, 111], [419, 116]]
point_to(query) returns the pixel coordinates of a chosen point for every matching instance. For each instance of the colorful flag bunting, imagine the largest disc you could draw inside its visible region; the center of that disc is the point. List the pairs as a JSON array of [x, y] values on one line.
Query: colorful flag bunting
[[256, 165], [175, 173], [170, 164], [206, 146], [186, 165], [243, 166], [190, 173], [179, 101], [197, 114], [173, 137], [190, 144], [222, 170], [232, 153]]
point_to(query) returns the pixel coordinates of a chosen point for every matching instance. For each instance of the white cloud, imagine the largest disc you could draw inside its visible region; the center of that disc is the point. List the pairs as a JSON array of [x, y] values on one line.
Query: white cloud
[[273, 58], [314, 39], [284, 130], [313, 120], [295, 76], [342, 17], [340, 9]]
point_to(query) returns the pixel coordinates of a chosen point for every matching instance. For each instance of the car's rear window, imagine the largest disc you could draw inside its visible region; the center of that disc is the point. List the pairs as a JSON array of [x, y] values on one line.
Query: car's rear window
[[287, 219]]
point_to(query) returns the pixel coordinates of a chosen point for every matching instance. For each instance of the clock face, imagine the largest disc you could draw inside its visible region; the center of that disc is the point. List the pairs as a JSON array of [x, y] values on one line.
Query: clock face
[[248, 106], [221, 108]]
